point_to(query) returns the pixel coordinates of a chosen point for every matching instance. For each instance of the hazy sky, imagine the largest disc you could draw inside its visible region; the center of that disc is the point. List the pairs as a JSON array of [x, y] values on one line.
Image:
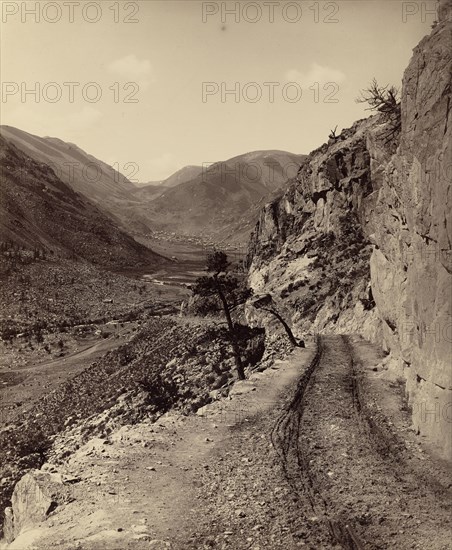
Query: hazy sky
[[139, 70]]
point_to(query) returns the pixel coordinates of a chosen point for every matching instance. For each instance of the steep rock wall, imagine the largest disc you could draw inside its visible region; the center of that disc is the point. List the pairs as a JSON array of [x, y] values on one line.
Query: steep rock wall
[[362, 240], [309, 248], [411, 228]]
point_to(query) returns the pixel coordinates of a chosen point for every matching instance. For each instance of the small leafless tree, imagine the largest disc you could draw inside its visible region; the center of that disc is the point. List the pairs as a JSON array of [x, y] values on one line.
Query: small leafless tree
[[384, 100], [333, 134]]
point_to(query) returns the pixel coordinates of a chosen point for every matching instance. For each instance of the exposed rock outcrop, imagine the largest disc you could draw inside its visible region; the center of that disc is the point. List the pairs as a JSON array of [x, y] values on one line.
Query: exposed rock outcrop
[[34, 497], [309, 248], [361, 242]]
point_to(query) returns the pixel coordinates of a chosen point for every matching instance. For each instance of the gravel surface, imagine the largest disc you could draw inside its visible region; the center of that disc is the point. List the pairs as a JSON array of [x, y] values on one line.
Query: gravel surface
[[315, 452]]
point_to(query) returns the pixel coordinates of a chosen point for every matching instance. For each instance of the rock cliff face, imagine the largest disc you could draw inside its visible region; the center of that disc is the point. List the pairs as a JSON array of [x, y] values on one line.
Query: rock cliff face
[[309, 249], [361, 241], [412, 230]]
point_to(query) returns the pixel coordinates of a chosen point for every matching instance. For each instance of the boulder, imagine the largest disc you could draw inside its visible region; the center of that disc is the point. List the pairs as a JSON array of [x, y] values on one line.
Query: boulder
[[35, 495]]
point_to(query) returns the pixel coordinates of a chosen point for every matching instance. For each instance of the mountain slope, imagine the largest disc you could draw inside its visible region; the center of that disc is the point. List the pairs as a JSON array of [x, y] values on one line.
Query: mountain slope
[[218, 197], [147, 192], [38, 210], [83, 172], [181, 176], [150, 191]]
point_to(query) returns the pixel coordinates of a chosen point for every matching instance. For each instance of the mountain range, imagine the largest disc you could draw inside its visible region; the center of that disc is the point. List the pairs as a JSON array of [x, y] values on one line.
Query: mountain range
[[218, 201]]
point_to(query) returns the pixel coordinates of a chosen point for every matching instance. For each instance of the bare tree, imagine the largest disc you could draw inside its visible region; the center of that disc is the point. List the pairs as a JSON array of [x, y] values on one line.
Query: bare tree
[[333, 134], [384, 100], [265, 303]]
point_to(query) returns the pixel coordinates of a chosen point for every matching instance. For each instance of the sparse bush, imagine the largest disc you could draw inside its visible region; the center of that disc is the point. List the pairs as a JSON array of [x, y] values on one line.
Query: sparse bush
[[162, 393]]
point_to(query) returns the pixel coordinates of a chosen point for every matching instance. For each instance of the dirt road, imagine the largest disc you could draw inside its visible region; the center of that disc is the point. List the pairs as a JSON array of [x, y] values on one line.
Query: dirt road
[[355, 474], [315, 453], [357, 480], [22, 386]]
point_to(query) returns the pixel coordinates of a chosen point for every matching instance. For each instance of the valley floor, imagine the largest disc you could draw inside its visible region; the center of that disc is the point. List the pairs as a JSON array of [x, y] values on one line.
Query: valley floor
[[21, 386], [315, 452]]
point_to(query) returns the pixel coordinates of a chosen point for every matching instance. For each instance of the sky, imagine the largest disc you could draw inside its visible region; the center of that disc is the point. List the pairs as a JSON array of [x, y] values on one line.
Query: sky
[[151, 86]]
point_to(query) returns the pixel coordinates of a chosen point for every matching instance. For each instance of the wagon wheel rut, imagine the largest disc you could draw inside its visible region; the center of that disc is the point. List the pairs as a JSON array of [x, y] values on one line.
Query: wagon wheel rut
[[349, 474]]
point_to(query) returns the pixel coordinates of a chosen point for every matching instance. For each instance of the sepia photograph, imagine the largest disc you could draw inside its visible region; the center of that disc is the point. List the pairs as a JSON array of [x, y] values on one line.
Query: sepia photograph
[[226, 275]]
